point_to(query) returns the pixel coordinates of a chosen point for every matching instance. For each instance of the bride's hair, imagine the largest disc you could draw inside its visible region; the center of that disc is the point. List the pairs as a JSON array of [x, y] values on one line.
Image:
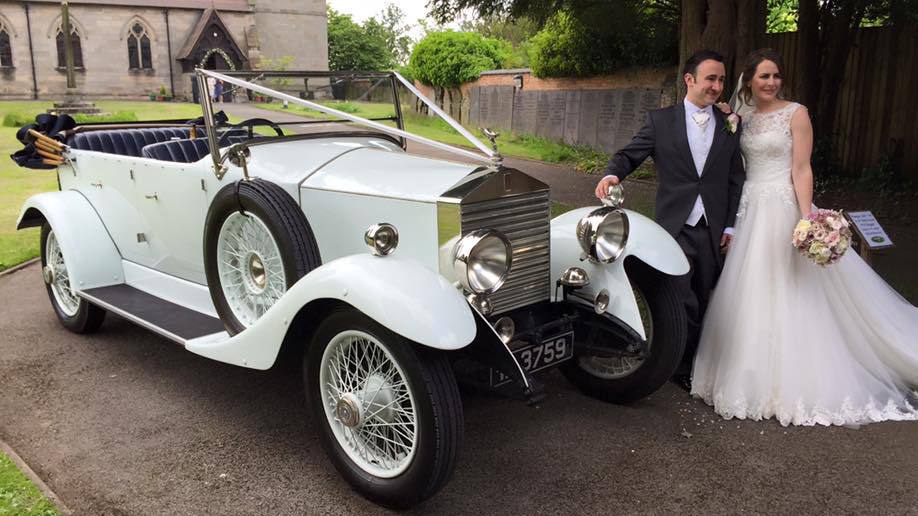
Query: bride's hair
[[752, 62]]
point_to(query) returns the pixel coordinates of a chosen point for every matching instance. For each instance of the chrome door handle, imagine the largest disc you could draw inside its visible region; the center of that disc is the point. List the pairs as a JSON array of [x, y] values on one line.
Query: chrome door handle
[[98, 185], [154, 196]]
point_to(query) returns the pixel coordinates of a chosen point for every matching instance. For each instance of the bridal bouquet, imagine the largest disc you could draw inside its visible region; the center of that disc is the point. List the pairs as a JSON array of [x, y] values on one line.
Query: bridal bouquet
[[823, 236]]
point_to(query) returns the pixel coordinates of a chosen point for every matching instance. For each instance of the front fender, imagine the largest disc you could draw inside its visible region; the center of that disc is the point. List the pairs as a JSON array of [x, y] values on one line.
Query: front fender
[[646, 240], [92, 258], [399, 293]]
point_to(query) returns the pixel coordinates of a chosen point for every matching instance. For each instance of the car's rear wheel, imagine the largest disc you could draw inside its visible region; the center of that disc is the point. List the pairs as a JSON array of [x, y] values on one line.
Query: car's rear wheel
[[624, 377], [258, 244], [389, 414], [74, 313]]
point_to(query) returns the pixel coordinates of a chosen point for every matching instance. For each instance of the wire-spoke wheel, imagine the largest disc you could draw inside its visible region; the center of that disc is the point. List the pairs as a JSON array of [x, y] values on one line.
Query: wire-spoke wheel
[[368, 404], [250, 266], [616, 367], [75, 313], [610, 375], [56, 275], [257, 244], [388, 412]]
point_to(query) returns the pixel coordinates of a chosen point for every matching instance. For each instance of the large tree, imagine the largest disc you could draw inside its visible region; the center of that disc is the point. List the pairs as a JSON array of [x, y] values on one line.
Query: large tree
[[732, 27], [352, 47]]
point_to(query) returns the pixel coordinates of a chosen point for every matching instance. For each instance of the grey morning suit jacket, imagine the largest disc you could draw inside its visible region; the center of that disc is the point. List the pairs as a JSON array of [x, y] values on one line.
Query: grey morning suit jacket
[[720, 184]]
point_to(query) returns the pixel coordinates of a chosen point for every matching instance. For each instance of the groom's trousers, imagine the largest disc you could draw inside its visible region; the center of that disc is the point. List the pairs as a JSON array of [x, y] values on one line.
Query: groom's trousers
[[696, 286]]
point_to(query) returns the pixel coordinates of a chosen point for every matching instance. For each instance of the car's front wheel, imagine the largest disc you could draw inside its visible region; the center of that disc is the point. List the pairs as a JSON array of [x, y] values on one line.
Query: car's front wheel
[[604, 367], [388, 413], [74, 313]]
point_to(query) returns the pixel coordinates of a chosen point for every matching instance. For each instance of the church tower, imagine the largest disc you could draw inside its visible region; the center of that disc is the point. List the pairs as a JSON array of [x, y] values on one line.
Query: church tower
[[295, 28]]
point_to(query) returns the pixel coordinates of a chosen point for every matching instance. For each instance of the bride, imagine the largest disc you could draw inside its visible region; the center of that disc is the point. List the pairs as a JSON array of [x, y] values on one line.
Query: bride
[[783, 337]]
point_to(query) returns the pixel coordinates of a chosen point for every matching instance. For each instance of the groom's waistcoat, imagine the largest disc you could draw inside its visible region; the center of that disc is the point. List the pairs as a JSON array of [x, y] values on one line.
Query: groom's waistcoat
[[664, 137]]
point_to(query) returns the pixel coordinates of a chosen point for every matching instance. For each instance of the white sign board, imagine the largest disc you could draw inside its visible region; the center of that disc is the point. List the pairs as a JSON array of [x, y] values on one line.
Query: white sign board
[[870, 230]]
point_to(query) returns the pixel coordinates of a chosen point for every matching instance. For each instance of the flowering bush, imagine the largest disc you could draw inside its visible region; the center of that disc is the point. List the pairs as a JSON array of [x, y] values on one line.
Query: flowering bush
[[823, 236]]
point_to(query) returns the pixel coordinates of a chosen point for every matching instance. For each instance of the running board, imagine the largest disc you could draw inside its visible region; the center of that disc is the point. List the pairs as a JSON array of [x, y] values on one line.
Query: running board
[[153, 313]]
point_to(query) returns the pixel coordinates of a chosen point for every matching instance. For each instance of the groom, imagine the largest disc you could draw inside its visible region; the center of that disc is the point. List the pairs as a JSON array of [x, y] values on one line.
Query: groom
[[700, 178]]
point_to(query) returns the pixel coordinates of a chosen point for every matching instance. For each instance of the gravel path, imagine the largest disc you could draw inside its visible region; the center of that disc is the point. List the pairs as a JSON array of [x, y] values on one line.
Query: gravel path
[[127, 423]]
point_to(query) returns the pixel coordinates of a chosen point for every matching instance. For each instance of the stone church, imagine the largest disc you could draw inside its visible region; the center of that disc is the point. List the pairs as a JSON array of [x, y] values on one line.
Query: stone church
[[131, 48]]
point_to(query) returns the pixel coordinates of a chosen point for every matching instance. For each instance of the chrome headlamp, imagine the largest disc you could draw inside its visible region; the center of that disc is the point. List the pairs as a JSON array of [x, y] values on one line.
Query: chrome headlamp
[[603, 234], [482, 260]]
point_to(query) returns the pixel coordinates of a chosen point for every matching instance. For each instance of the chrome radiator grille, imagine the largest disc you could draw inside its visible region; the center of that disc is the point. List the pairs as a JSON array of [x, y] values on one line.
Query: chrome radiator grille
[[525, 220]]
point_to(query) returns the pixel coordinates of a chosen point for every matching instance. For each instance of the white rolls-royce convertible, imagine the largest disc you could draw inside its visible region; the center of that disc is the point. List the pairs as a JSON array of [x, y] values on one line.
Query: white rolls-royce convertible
[[386, 275]]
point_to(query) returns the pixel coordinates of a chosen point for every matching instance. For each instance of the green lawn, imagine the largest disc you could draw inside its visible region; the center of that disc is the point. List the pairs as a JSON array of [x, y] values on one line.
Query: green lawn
[[18, 497], [17, 184], [510, 144]]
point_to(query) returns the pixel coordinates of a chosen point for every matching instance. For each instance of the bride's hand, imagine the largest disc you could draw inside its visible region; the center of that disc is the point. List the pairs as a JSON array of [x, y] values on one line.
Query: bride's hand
[[723, 106]]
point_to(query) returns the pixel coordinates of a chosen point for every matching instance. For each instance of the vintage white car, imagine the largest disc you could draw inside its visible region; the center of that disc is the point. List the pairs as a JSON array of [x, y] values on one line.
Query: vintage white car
[[385, 274]]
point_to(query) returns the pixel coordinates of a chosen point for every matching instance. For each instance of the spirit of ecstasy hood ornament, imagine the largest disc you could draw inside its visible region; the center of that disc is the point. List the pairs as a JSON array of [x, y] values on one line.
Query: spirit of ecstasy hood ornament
[[492, 137]]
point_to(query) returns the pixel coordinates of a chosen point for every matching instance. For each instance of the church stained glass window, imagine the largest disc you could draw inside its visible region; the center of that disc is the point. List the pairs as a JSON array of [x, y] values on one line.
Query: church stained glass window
[[6, 52], [139, 54], [77, 49]]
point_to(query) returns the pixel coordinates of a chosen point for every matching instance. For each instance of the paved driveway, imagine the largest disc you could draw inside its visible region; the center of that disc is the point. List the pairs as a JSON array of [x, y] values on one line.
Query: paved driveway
[[127, 423]]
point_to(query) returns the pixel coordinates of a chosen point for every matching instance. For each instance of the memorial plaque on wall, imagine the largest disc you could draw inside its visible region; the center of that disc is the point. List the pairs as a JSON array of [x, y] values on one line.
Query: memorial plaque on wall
[[628, 121], [542, 123], [572, 118], [524, 112], [589, 116], [557, 101], [607, 123], [494, 107], [503, 115], [474, 107], [484, 106], [650, 100]]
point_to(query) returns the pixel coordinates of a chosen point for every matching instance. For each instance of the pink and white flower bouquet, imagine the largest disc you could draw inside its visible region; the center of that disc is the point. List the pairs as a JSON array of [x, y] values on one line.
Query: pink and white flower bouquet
[[823, 236]]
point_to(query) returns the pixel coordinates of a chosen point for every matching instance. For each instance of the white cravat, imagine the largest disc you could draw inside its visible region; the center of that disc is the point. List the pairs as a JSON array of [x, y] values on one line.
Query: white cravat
[[700, 134]]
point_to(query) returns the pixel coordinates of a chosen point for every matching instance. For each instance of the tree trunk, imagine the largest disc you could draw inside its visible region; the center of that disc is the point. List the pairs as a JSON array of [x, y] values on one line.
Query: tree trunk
[[806, 76], [690, 31], [731, 27], [839, 38]]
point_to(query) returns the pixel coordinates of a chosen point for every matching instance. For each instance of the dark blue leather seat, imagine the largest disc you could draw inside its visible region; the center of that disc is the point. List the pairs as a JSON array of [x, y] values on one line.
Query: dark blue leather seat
[[181, 151], [126, 142], [186, 151]]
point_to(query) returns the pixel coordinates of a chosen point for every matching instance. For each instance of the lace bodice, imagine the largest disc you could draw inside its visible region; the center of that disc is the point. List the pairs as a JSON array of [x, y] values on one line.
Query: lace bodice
[[767, 148], [767, 144]]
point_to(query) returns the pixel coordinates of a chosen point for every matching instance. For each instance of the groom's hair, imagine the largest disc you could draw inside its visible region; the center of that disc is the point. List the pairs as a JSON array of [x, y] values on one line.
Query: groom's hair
[[691, 64]]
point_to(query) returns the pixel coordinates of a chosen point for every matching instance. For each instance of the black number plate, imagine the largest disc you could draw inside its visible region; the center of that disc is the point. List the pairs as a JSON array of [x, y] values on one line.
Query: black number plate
[[535, 357]]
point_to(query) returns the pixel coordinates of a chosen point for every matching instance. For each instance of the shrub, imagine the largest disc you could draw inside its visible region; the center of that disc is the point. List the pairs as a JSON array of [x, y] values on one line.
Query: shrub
[[616, 37], [448, 59], [16, 119]]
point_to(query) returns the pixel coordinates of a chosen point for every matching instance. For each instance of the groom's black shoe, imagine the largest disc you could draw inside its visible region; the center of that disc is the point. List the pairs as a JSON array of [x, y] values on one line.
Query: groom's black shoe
[[683, 381]]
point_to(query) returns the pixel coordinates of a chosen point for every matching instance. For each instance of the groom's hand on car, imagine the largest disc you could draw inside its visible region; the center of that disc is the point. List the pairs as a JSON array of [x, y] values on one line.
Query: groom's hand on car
[[602, 188]]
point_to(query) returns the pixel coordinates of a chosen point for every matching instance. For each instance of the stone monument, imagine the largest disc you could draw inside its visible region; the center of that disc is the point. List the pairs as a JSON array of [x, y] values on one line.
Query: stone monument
[[72, 102]]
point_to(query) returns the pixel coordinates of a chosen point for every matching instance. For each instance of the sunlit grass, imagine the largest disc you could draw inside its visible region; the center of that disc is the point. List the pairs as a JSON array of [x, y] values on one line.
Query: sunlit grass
[[18, 496]]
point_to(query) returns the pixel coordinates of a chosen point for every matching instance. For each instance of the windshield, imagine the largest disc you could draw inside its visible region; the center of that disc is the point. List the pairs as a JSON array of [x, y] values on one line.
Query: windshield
[[310, 101]]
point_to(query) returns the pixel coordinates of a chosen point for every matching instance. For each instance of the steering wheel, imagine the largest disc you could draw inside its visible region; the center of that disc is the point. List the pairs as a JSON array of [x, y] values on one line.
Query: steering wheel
[[252, 122]]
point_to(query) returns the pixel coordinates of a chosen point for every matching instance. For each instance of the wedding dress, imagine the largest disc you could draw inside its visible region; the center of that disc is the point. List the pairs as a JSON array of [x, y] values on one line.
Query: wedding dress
[[789, 339]]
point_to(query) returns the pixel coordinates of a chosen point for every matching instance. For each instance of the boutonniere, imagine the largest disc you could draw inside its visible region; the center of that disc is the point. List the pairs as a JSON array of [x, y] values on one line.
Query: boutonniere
[[731, 124]]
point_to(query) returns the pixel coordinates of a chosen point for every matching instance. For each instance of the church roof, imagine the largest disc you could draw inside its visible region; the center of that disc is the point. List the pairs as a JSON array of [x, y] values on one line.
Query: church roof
[[206, 17], [223, 5]]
